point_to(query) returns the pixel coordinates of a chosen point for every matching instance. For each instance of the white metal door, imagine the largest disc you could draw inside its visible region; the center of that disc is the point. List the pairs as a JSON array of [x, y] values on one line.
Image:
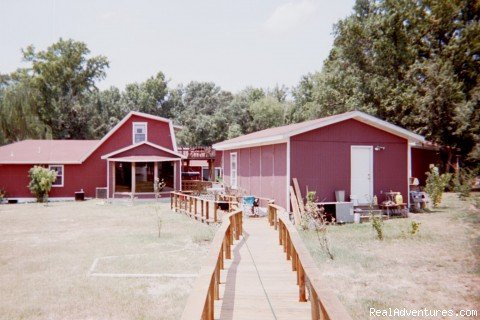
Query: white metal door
[[361, 164]]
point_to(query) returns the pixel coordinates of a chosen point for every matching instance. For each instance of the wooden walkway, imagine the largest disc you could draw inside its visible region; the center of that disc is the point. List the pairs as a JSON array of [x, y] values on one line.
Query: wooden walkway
[[259, 282]]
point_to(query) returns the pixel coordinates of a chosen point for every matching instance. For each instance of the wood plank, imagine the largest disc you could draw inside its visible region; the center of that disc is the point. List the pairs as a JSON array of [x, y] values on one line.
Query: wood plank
[[296, 210], [258, 283], [300, 200]]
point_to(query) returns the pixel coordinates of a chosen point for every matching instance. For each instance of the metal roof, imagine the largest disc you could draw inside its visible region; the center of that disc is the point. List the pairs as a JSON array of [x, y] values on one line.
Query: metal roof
[[46, 151], [283, 133]]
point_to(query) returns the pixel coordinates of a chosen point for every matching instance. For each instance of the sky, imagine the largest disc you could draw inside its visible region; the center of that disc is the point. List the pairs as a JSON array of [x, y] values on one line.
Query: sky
[[235, 44]]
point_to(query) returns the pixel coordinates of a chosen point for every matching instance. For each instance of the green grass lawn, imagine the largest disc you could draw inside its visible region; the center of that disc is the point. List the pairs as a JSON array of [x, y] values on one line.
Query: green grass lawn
[[95, 260], [438, 268]]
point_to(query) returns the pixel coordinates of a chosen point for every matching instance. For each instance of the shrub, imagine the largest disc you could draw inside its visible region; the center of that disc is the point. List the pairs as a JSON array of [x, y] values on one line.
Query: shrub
[[3, 194], [414, 227], [377, 225], [462, 182], [436, 184], [41, 180]]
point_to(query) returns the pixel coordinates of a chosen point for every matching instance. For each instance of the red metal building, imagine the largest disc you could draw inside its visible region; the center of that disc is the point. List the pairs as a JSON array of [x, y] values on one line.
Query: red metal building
[[354, 152], [137, 150]]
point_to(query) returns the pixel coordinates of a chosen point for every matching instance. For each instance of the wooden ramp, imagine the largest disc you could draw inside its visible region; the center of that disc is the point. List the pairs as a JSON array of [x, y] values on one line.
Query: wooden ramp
[[259, 282]]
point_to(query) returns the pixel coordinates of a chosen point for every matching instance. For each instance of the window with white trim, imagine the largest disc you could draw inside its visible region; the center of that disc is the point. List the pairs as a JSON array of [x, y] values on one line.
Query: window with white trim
[[139, 132], [58, 168], [233, 170]]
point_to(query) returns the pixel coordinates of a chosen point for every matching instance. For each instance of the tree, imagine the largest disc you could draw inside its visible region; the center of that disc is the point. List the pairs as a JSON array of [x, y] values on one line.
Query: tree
[[18, 119], [266, 113], [199, 107], [149, 96], [413, 63], [63, 75]]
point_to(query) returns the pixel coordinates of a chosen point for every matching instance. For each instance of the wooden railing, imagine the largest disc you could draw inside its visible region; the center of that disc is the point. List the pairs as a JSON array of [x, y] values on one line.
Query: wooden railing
[[196, 185], [263, 202], [198, 153], [324, 303], [200, 303], [199, 208]]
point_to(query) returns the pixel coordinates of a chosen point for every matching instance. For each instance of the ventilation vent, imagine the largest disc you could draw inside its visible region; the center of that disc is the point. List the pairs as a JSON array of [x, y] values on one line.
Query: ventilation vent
[[101, 193]]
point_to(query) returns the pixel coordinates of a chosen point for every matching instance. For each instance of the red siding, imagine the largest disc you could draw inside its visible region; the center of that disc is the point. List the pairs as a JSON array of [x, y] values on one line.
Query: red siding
[[144, 150], [92, 172], [421, 160], [261, 171], [320, 159]]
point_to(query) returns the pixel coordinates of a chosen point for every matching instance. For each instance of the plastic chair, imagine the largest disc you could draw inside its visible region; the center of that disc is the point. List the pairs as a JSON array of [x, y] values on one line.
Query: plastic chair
[[248, 203]]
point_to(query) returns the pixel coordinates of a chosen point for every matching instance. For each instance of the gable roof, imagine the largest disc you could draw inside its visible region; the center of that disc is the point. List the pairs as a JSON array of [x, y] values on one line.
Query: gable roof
[[283, 133], [133, 146], [46, 151], [139, 114], [70, 151]]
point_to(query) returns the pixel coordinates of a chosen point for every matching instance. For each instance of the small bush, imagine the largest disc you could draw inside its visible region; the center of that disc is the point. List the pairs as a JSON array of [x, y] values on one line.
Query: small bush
[[462, 182], [414, 227], [41, 180], [436, 184], [3, 194], [377, 225]]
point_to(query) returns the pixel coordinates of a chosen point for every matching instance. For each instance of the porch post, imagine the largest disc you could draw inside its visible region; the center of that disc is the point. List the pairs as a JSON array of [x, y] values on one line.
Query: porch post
[[113, 177], [175, 187], [133, 177], [155, 173], [211, 167]]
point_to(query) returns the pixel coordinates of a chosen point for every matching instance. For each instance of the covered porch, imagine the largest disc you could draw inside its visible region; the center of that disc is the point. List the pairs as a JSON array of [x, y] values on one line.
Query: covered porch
[[135, 175]]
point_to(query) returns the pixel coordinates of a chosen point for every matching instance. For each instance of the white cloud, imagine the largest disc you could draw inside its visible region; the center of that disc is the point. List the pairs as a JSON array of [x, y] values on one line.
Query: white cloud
[[290, 15]]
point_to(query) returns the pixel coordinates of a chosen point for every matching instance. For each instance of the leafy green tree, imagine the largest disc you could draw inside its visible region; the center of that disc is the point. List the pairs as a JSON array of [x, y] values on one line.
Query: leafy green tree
[[149, 96], [63, 75], [413, 63], [18, 119], [266, 113], [199, 107]]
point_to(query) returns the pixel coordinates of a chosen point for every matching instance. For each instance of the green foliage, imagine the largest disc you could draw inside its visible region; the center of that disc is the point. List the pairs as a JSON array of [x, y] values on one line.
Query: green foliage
[[414, 227], [436, 184], [266, 113], [462, 182], [413, 63], [62, 76], [311, 196], [377, 225], [41, 180]]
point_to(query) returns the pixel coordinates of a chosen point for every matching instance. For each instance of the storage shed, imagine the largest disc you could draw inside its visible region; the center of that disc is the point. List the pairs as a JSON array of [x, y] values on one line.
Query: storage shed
[[353, 151]]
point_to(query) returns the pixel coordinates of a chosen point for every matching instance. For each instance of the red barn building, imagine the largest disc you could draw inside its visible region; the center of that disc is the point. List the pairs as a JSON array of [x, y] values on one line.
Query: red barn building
[[354, 152], [137, 150]]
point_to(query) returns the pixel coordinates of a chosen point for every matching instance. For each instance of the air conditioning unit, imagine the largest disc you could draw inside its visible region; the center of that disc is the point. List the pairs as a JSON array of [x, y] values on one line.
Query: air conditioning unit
[[101, 193]]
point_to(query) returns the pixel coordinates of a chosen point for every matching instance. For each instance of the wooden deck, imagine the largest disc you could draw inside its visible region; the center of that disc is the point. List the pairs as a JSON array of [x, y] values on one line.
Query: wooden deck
[[259, 282]]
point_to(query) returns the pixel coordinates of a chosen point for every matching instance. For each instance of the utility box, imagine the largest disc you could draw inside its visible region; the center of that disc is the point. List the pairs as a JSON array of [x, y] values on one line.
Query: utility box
[[79, 195], [344, 211]]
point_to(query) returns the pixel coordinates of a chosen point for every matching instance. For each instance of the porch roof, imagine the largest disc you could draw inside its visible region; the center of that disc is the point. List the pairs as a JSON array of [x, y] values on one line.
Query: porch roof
[[143, 159]]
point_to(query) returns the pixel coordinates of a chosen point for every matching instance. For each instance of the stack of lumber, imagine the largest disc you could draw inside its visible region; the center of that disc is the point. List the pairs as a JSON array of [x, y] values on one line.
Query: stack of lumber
[[296, 200]]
